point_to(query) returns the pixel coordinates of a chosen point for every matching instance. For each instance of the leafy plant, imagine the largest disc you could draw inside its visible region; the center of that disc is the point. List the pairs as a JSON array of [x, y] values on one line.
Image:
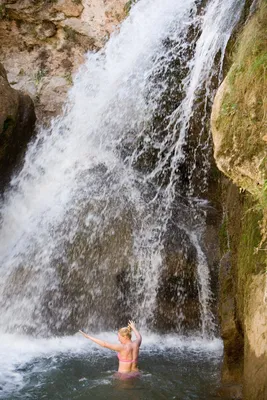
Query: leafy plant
[[260, 63], [40, 74], [68, 78], [128, 6], [229, 108], [69, 33], [9, 122], [2, 11], [21, 72]]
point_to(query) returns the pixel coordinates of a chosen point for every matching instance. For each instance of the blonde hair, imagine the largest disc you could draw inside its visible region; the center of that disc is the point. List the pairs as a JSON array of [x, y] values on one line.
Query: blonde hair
[[126, 332]]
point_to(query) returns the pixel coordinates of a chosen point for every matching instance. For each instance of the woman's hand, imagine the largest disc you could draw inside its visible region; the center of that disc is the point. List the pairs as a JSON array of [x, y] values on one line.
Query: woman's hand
[[84, 334], [131, 324]]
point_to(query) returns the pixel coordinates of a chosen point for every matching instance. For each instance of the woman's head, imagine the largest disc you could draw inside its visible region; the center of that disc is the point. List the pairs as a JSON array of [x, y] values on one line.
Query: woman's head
[[125, 333]]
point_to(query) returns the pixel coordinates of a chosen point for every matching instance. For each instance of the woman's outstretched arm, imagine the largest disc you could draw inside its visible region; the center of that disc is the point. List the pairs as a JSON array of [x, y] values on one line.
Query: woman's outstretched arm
[[137, 334], [116, 347]]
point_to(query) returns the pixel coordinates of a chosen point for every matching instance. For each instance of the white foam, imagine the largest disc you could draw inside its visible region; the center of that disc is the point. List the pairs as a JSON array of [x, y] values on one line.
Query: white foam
[[16, 351], [172, 341]]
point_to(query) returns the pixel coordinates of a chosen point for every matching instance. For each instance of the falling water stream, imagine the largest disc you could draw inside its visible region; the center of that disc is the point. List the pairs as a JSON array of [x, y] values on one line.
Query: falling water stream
[[91, 225]]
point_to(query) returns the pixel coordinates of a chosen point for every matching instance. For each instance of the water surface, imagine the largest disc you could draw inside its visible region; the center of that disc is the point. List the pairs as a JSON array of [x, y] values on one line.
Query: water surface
[[72, 368]]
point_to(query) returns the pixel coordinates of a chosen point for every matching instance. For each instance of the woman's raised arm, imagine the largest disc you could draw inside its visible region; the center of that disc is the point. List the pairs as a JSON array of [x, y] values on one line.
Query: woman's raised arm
[[111, 346], [131, 324]]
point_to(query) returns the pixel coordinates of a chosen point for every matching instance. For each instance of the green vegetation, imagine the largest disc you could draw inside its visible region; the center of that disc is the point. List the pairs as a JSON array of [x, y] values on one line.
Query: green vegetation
[[251, 259], [263, 197], [262, 207], [69, 33], [128, 6], [242, 227], [2, 11], [242, 138], [242, 122], [68, 78], [228, 108], [223, 236], [243, 116], [38, 76], [21, 72], [77, 2], [8, 123], [259, 64]]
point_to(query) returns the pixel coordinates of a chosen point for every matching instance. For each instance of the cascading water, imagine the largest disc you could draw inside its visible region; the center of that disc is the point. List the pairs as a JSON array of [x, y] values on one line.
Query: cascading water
[[89, 225]]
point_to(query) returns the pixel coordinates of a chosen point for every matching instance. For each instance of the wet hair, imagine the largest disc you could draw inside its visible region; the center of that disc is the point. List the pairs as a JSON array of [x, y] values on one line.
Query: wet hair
[[126, 332]]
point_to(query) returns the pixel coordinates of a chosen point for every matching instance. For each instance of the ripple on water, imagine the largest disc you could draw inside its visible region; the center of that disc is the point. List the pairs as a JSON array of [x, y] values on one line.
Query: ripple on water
[[73, 368]]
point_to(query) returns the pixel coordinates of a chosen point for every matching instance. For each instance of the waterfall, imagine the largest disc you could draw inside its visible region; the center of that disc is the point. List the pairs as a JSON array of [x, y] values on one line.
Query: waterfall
[[113, 187]]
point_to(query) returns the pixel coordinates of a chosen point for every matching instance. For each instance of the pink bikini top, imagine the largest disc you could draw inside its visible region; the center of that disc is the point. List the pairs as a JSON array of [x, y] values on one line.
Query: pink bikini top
[[129, 361]]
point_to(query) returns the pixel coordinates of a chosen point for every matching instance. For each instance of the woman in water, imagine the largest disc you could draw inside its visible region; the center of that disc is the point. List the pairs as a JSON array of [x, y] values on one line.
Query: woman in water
[[127, 350]]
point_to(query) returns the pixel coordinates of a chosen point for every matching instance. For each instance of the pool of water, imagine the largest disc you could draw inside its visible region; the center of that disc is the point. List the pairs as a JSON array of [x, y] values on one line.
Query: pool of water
[[73, 368]]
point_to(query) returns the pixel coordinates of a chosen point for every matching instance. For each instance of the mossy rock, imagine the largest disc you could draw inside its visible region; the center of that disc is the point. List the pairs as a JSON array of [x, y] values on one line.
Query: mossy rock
[[239, 112]]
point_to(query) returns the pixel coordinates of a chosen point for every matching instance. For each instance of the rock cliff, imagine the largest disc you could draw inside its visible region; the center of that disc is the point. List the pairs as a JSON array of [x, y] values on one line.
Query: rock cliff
[[43, 42], [239, 128]]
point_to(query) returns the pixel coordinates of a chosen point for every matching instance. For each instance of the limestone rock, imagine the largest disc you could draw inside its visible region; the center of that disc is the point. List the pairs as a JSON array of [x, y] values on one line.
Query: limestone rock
[[238, 119], [239, 133], [243, 293], [77, 26], [46, 29], [52, 92], [245, 171], [69, 7], [37, 37]]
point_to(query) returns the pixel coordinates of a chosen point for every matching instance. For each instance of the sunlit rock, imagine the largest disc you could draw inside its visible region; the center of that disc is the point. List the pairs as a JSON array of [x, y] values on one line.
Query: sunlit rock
[[59, 29]]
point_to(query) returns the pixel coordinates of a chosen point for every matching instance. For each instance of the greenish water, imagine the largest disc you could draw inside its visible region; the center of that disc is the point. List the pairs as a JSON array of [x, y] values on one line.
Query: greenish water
[[73, 369]]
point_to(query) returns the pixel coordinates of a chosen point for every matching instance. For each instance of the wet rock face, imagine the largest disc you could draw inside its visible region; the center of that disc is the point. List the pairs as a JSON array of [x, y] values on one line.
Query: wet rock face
[[44, 42], [178, 307], [17, 120], [178, 298], [242, 305], [255, 371], [239, 135], [180, 293], [231, 331]]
